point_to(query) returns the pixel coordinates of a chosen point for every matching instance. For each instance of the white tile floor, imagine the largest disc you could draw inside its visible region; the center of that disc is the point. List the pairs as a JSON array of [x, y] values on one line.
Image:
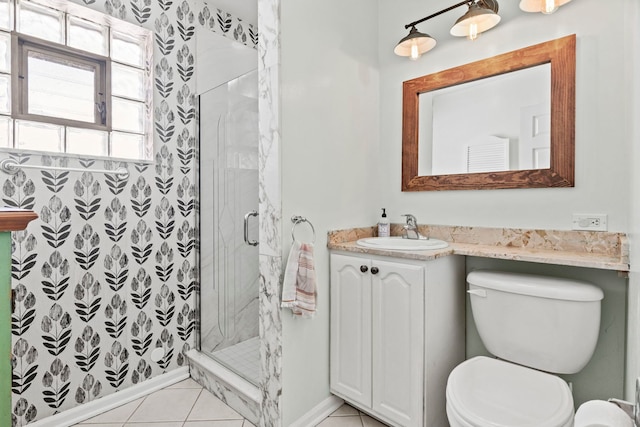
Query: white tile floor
[[347, 416], [187, 404]]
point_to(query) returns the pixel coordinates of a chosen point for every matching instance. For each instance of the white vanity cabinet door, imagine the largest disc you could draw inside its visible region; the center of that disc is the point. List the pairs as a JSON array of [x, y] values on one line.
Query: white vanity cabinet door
[[377, 337], [398, 341], [351, 328], [397, 331]]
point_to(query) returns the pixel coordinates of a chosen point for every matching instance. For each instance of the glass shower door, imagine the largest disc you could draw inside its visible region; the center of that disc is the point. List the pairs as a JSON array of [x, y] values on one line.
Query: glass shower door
[[228, 220]]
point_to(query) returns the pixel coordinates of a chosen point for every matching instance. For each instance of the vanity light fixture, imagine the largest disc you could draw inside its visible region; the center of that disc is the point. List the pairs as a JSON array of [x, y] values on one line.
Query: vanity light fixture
[[415, 44], [481, 16], [544, 6]]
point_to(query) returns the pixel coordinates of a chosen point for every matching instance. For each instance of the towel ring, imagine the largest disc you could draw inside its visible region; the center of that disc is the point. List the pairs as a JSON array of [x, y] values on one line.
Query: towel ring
[[297, 219]]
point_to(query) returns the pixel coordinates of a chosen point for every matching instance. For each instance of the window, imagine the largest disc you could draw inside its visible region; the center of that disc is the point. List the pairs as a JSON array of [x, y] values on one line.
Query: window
[[55, 83], [74, 81]]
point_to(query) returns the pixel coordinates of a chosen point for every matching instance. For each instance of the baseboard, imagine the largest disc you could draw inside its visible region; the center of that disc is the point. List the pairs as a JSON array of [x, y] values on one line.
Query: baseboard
[[319, 412], [88, 410]]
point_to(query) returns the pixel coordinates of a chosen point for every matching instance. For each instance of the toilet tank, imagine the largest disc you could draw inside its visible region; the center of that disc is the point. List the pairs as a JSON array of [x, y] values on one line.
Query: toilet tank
[[546, 323]]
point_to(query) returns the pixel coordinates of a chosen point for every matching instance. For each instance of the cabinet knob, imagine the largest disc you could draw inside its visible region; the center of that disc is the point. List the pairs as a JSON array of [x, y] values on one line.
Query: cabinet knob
[[364, 268], [374, 270]]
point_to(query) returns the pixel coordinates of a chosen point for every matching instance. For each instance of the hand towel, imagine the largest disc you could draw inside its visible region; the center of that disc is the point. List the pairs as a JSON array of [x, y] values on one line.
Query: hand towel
[[299, 286], [290, 276]]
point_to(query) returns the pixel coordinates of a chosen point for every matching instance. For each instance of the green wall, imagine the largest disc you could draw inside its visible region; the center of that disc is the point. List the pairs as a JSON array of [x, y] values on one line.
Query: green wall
[[5, 329]]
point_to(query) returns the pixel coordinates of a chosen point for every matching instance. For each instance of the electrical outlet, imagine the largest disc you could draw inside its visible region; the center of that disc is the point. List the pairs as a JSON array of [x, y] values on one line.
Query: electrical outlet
[[589, 222]]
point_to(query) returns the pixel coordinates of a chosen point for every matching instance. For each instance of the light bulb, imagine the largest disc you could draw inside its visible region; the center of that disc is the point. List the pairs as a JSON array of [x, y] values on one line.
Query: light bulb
[[473, 31], [548, 7], [415, 53]]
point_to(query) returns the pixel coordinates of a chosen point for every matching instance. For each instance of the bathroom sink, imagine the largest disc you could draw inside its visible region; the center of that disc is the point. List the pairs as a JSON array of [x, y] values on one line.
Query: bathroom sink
[[400, 244]]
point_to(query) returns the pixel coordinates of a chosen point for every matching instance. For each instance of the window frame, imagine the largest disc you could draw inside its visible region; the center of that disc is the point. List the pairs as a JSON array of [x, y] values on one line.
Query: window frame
[[139, 143], [22, 44]]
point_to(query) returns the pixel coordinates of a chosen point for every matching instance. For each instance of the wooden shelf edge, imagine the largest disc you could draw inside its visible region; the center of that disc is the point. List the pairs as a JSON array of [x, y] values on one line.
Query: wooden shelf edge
[[16, 219]]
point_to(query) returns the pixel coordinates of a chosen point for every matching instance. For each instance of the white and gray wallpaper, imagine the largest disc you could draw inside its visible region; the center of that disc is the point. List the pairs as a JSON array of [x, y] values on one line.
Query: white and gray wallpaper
[[106, 274]]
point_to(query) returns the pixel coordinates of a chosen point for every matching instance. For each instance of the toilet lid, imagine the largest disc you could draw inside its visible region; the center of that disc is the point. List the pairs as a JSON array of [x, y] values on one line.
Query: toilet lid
[[491, 392]]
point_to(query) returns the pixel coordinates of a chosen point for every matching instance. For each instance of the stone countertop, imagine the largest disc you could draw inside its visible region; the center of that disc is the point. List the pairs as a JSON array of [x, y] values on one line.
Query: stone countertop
[[601, 250]]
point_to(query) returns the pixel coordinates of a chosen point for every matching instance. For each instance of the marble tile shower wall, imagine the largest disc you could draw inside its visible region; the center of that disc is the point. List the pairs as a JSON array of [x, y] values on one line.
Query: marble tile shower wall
[[270, 209], [106, 274]]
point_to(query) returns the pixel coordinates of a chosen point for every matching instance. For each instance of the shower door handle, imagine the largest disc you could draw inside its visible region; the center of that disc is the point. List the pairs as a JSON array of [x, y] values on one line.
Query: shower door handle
[[246, 228]]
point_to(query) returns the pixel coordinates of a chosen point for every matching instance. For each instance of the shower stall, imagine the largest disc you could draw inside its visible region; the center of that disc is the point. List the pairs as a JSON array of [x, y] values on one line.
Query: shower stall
[[229, 226], [226, 359]]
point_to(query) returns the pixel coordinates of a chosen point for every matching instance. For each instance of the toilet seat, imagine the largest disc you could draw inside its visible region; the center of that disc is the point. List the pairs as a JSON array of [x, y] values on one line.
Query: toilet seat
[[488, 392]]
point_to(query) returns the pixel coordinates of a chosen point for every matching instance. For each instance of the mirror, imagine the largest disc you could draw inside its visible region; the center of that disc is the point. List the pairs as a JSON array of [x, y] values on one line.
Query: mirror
[[510, 132], [503, 122]]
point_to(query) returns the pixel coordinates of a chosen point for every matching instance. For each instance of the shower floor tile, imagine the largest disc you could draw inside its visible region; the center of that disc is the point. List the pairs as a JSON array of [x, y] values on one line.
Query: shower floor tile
[[243, 358]]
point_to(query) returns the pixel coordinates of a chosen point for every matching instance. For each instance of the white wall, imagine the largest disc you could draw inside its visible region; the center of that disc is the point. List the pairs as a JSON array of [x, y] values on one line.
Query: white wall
[[632, 127], [602, 169], [341, 112], [607, 107], [329, 113]]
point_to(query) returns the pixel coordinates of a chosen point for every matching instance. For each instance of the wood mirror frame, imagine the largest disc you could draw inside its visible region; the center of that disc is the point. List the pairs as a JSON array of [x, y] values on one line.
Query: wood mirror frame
[[561, 55]]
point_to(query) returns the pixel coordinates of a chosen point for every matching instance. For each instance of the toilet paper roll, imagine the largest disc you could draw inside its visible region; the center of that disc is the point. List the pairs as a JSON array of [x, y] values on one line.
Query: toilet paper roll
[[599, 413]]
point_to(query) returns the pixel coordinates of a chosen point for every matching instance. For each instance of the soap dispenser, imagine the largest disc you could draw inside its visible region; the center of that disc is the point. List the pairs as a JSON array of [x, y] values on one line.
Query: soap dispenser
[[383, 225]]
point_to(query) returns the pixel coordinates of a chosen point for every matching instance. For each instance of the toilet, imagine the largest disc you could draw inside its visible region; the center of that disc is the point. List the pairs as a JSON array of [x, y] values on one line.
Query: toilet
[[536, 326]]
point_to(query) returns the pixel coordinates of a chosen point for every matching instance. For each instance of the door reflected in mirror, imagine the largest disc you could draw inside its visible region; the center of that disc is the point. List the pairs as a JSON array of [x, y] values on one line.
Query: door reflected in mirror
[[496, 124]]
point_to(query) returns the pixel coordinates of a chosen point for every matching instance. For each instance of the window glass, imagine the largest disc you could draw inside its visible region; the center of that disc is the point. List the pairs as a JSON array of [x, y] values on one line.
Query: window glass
[[65, 53], [41, 22], [6, 132], [5, 52], [5, 94], [39, 136], [87, 36], [60, 88], [127, 145], [127, 49], [87, 141], [127, 115], [6, 21], [127, 81]]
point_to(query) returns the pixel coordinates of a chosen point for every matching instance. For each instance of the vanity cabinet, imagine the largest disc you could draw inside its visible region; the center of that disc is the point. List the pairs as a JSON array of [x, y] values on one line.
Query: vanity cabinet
[[397, 330]]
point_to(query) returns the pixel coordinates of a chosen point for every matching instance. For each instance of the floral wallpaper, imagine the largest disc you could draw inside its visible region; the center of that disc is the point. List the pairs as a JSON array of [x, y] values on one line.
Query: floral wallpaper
[[106, 274]]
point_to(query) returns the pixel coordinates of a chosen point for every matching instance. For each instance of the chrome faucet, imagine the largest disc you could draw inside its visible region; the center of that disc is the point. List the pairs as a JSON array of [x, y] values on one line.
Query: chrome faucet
[[411, 228]]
